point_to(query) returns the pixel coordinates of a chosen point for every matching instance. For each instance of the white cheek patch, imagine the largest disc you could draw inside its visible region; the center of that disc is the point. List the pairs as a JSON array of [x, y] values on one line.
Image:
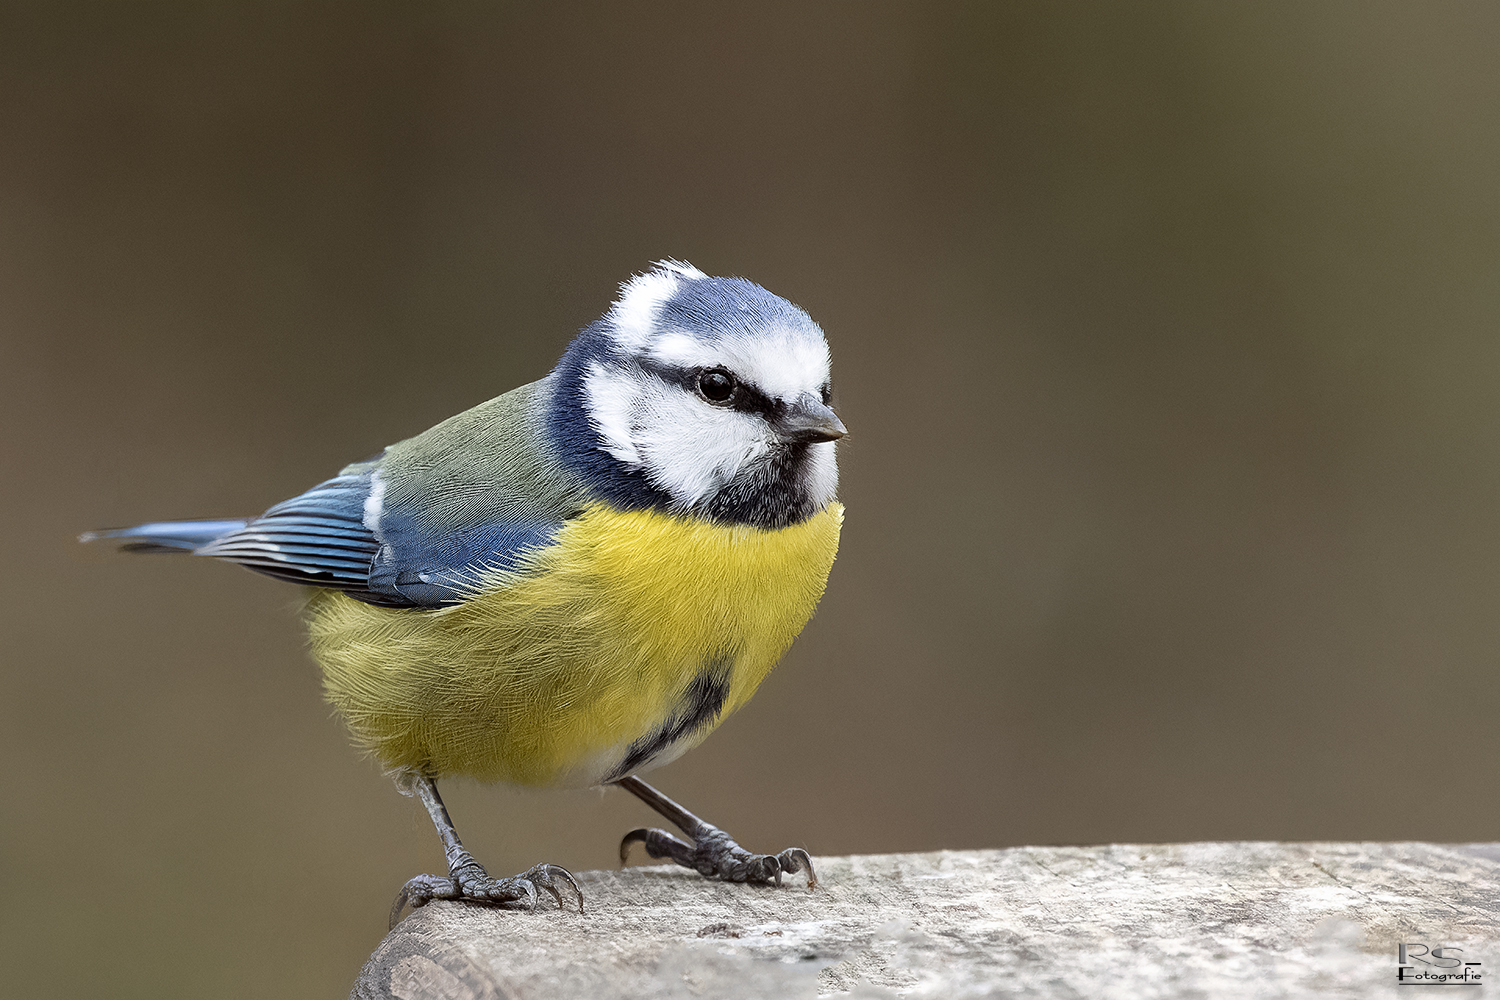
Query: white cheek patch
[[688, 448], [633, 316], [691, 449], [783, 364], [611, 396]]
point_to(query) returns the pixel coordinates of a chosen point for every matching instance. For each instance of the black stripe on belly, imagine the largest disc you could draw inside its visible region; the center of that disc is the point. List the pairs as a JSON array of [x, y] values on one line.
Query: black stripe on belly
[[701, 702]]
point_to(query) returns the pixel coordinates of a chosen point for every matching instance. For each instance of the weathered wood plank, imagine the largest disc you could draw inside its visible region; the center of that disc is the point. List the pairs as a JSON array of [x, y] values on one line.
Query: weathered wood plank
[[1222, 920]]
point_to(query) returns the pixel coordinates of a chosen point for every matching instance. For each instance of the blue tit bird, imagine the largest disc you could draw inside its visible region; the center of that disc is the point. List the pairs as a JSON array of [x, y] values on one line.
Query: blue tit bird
[[576, 581]]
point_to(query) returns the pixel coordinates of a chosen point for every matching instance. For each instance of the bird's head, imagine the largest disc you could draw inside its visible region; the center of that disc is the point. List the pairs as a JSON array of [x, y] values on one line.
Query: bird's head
[[703, 395]]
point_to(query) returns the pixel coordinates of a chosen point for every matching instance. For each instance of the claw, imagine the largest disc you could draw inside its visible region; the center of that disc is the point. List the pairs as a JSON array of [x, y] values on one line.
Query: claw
[[637, 836], [795, 859], [545, 874], [396, 908], [422, 890], [661, 844]]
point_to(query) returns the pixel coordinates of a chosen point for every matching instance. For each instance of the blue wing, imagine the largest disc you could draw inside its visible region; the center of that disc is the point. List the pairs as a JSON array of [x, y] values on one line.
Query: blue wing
[[413, 557], [423, 524], [318, 538], [427, 563], [339, 534]]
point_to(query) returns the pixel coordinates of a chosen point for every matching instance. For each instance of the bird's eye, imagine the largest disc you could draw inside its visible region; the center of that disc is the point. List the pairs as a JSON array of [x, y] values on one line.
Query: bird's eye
[[826, 391], [717, 385]]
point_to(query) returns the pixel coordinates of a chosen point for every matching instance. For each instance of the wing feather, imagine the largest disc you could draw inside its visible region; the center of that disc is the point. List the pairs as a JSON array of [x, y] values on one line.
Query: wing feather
[[430, 519]]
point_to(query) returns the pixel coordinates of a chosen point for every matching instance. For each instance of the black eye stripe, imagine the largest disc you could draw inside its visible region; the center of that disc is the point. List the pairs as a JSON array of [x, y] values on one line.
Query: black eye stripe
[[752, 400], [746, 398]]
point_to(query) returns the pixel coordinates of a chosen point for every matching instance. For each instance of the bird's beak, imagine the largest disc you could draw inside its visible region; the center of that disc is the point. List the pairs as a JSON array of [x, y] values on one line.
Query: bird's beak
[[807, 421]]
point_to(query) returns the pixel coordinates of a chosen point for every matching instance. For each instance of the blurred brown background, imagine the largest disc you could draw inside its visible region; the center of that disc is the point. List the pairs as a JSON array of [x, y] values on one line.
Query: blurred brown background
[[1166, 333]]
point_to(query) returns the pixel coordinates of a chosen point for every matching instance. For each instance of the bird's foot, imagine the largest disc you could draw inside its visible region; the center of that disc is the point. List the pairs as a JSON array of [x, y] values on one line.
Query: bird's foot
[[715, 855], [468, 881]]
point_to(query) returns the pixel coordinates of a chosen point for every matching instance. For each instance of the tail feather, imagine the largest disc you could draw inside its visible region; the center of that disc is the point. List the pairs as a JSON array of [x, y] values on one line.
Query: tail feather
[[165, 536]]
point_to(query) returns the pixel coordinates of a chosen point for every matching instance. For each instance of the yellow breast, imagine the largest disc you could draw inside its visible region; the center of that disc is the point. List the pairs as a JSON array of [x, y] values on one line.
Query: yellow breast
[[636, 631]]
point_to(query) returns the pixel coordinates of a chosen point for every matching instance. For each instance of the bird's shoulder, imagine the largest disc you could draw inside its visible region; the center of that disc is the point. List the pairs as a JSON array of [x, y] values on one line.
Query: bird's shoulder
[[468, 497]]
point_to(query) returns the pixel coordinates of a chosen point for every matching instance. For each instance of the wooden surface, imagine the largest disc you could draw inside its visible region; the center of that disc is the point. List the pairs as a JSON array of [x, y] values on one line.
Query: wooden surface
[[1220, 920]]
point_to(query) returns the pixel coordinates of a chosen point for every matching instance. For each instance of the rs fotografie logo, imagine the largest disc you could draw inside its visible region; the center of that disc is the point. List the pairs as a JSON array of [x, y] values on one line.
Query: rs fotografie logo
[[1419, 965]]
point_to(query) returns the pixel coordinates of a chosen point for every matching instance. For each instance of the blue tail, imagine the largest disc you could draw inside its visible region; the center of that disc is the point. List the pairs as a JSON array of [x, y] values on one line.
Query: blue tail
[[166, 536]]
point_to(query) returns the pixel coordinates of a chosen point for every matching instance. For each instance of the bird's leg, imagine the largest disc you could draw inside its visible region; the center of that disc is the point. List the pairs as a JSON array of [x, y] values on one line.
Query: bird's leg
[[466, 879], [712, 852]]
